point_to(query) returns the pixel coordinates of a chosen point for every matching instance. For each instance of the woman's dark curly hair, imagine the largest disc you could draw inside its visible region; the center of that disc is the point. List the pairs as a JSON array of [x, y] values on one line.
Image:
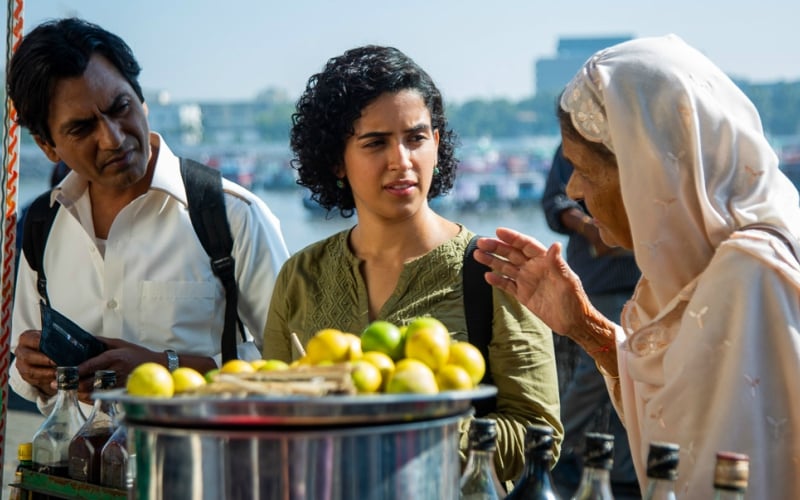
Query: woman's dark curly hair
[[333, 101]]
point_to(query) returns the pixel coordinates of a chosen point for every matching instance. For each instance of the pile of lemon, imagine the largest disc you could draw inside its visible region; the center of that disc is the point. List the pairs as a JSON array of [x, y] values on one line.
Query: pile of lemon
[[419, 358]]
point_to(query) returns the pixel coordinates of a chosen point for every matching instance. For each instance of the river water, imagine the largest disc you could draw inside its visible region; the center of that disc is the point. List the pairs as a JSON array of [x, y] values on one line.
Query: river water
[[301, 226]]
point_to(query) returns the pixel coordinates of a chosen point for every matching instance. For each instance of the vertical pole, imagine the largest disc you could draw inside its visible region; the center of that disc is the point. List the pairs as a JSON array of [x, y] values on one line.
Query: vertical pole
[[10, 180]]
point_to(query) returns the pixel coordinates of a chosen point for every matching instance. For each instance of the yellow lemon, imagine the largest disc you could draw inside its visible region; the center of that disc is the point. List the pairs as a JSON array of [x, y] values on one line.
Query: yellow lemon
[[329, 345], [366, 376], [186, 379], [468, 357], [383, 363], [412, 376], [150, 380], [428, 340], [273, 364], [355, 347], [453, 378], [237, 366], [383, 336], [304, 361], [258, 363]]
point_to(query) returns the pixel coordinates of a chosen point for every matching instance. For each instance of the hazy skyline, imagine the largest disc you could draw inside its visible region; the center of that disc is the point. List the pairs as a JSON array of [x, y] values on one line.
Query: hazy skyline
[[232, 50]]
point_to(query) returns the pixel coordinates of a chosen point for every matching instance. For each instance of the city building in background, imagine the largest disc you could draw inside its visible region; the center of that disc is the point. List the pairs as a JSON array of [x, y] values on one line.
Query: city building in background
[[550, 74]]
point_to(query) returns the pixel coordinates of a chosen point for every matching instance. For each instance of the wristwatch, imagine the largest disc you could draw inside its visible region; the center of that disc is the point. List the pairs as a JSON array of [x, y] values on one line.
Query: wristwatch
[[172, 359]]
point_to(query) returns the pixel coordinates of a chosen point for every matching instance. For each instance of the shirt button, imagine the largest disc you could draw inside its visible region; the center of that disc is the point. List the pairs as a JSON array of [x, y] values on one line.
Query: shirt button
[[112, 304]]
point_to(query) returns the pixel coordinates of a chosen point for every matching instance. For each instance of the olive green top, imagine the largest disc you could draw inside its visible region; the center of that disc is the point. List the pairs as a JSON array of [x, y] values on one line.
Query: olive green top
[[321, 286]]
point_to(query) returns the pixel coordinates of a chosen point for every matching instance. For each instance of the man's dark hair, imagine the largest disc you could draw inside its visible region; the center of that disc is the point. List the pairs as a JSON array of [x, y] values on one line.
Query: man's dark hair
[[55, 50]]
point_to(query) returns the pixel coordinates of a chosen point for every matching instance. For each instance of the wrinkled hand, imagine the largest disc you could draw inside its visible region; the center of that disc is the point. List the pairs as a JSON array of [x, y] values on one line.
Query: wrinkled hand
[[121, 356], [538, 277], [34, 367]]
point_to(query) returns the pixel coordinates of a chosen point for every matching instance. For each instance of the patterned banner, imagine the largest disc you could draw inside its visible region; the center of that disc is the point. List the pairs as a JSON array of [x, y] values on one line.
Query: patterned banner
[[10, 181]]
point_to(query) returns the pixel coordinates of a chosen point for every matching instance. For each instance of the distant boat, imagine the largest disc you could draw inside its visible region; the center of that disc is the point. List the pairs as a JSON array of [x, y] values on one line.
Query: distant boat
[[480, 191]]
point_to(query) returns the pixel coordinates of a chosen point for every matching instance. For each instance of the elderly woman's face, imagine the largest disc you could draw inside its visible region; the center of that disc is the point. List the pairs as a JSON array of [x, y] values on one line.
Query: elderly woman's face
[[595, 180]]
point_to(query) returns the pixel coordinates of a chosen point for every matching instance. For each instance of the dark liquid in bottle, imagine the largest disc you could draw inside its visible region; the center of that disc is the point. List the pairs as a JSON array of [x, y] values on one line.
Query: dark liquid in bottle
[[84, 456], [115, 465]]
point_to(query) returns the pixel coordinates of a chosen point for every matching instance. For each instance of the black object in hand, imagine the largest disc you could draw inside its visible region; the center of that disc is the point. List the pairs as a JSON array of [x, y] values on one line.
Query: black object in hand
[[66, 343]]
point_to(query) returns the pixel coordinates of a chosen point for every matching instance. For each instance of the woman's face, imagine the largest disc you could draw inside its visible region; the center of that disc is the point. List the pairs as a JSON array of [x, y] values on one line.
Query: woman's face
[[595, 180], [390, 158]]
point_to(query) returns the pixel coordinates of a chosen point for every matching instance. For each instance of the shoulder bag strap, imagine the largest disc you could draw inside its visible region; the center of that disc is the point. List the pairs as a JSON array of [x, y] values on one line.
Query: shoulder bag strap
[[210, 221], [39, 219], [779, 232], [478, 311]]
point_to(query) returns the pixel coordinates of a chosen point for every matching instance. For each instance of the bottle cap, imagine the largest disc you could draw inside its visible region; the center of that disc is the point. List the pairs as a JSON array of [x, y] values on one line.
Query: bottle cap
[[731, 471], [483, 434], [67, 377], [25, 452], [662, 461], [539, 440], [105, 379], [599, 451]]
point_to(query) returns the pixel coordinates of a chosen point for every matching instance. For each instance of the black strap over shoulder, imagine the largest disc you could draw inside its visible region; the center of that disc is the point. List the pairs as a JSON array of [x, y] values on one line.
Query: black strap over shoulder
[[39, 219], [210, 221], [478, 311]]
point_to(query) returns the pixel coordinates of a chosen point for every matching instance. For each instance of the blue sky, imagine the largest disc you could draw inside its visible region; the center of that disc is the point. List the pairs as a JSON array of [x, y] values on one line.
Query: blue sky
[[202, 49]]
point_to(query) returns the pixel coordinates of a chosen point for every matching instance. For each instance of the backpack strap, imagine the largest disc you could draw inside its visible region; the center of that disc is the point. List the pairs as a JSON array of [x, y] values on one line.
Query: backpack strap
[[478, 312], [39, 219], [210, 221]]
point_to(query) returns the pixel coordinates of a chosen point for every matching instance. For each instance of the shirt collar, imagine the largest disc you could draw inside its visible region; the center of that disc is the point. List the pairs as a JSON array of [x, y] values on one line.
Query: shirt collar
[[166, 178]]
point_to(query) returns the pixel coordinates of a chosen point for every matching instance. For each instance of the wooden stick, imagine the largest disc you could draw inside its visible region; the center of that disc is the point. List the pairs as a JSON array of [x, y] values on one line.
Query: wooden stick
[[298, 345]]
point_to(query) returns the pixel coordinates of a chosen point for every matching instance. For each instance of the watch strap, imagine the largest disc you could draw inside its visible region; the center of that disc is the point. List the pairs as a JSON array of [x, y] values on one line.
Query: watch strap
[[172, 359]]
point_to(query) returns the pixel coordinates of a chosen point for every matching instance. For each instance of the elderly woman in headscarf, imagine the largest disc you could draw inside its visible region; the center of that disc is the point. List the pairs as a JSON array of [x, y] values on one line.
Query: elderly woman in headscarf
[[671, 160]]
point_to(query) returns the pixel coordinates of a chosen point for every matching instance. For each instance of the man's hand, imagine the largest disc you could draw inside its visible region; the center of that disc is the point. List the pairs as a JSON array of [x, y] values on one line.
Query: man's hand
[[121, 356], [34, 367], [598, 246]]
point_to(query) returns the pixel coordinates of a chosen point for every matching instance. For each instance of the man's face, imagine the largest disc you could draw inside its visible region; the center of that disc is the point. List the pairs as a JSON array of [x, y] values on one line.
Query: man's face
[[99, 127]]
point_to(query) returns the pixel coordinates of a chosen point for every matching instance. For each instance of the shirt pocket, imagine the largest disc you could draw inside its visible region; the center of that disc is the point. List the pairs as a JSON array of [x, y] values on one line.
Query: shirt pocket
[[181, 315]]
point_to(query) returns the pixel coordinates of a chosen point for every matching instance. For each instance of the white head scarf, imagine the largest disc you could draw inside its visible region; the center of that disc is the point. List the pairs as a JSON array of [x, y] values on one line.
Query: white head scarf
[[693, 161]]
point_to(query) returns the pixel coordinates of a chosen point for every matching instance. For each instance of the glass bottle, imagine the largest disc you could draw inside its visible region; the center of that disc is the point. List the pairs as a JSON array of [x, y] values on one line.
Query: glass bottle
[[51, 441], [479, 481], [730, 475], [536, 481], [115, 461], [86, 445], [24, 462], [662, 471], [598, 458]]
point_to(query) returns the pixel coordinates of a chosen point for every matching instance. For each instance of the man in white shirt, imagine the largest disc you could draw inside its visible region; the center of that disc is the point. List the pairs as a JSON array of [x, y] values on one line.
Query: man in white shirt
[[122, 259]]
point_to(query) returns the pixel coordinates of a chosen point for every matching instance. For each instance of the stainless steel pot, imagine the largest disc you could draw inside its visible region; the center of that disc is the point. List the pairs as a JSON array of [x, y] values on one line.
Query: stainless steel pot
[[334, 447]]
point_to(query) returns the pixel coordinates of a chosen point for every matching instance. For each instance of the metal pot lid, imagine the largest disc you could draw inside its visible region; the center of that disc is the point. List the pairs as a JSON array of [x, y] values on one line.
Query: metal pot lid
[[281, 411]]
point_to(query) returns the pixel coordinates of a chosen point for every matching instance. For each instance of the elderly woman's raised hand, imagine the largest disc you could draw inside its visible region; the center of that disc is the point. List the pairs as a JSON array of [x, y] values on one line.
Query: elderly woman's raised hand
[[539, 278]]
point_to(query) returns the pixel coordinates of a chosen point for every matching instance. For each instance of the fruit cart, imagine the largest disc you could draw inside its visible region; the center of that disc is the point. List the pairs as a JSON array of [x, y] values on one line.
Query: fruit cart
[[335, 447], [61, 487]]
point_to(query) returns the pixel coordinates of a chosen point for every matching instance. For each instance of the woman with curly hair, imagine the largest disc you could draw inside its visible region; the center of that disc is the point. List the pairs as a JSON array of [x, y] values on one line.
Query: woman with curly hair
[[370, 137]]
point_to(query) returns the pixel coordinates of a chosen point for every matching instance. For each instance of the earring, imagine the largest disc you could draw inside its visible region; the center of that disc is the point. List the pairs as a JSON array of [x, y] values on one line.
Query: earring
[[340, 184], [436, 170]]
